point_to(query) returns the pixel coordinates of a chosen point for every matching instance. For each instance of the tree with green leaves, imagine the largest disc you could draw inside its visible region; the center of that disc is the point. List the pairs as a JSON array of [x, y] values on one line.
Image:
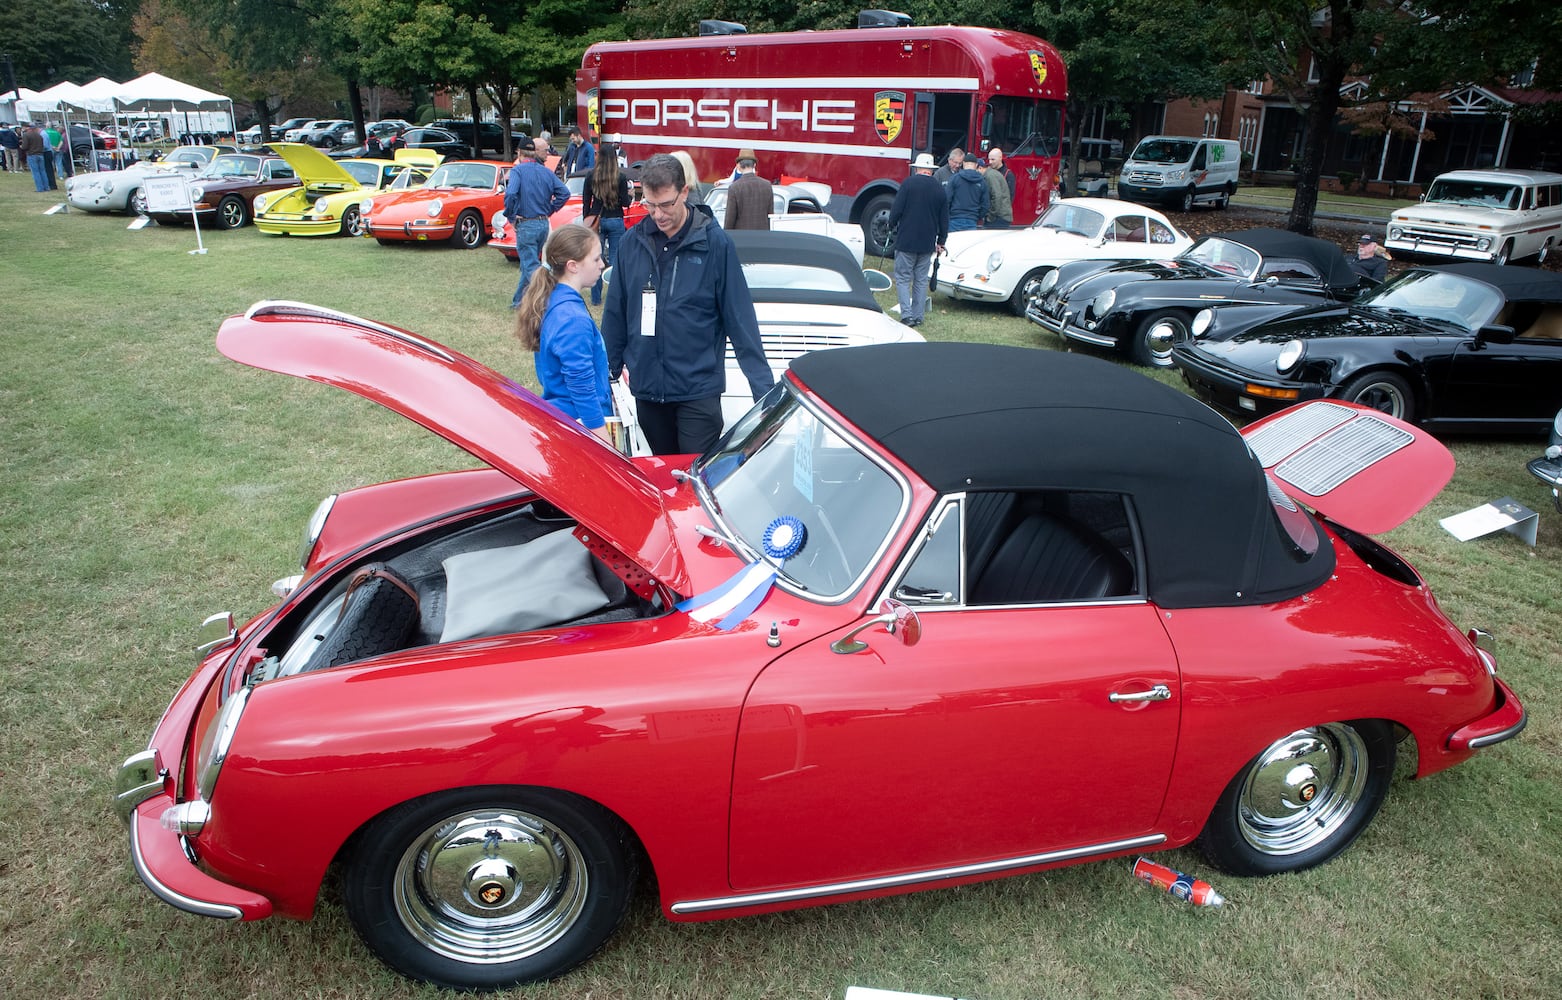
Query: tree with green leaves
[[51, 41], [1311, 48]]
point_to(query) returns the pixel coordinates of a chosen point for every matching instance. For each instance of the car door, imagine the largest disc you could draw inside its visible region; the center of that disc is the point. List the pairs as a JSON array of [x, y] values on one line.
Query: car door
[[1495, 382], [993, 739]]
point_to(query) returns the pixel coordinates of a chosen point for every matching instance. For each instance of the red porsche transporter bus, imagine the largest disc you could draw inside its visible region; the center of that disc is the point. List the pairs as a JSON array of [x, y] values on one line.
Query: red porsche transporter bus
[[848, 108]]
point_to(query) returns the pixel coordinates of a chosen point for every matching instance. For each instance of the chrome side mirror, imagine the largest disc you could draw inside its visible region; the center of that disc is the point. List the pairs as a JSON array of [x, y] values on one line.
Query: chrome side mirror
[[897, 619]]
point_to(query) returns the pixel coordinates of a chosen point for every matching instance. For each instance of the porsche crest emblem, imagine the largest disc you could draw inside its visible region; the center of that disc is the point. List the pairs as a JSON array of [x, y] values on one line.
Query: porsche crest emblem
[[889, 113], [1038, 67]]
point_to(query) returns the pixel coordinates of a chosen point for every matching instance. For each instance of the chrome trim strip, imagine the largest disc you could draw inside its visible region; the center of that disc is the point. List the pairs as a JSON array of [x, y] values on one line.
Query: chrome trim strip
[[303, 310], [178, 900], [911, 878]]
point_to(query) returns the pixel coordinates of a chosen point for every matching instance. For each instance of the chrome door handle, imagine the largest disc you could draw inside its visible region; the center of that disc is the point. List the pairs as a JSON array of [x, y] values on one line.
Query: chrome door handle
[[1159, 692]]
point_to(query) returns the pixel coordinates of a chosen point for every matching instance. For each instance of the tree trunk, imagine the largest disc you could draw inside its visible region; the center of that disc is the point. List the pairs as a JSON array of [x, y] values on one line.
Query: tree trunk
[[477, 140], [355, 102], [1332, 67], [263, 109]]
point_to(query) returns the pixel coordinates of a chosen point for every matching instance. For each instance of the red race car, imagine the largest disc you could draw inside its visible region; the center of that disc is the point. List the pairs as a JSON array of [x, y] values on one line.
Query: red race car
[[876, 611], [503, 236], [457, 203]]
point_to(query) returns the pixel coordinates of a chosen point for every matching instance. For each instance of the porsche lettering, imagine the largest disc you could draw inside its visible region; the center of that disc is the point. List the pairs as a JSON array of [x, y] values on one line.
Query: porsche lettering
[[753, 113]]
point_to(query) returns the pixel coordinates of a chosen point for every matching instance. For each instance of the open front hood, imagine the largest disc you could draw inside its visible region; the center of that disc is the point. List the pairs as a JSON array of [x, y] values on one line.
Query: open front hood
[[314, 167], [1351, 463], [472, 407]]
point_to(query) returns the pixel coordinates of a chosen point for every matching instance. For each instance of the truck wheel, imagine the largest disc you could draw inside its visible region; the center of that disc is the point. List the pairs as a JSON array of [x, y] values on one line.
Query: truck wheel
[[1505, 254], [1543, 253], [1186, 203], [1224, 200], [875, 225]]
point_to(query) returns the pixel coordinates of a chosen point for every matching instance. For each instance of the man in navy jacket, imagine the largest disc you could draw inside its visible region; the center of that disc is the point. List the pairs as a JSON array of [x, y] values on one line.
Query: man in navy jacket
[[920, 220], [677, 297]]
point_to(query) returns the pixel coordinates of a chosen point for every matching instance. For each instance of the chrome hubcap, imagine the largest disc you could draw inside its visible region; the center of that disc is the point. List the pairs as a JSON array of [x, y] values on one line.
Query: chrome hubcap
[[1302, 789], [492, 886], [1160, 340]]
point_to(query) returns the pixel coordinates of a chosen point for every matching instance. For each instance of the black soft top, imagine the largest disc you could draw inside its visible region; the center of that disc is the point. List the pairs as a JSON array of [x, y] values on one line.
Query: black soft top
[[984, 417], [804, 250], [1517, 284], [1328, 259]]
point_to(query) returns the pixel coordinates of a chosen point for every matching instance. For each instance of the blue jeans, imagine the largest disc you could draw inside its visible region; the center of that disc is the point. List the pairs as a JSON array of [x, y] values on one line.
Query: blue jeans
[[610, 231], [40, 172], [961, 223], [62, 162], [911, 274], [530, 235]]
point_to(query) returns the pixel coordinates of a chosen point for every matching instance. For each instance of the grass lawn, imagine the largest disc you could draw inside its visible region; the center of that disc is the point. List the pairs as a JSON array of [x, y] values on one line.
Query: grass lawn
[[150, 482]]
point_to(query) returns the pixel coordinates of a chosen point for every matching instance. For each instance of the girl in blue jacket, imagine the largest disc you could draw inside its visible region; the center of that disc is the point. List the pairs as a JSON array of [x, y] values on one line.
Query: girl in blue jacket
[[552, 322]]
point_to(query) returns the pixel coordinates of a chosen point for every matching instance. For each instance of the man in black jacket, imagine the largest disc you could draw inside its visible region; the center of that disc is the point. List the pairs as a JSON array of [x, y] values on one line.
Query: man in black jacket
[[678, 295], [920, 220]]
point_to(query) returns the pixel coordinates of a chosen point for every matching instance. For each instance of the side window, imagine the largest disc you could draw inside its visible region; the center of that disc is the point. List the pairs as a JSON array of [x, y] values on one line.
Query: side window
[[934, 575], [1052, 548], [1128, 229], [1290, 271], [1160, 233], [282, 170], [1198, 158]]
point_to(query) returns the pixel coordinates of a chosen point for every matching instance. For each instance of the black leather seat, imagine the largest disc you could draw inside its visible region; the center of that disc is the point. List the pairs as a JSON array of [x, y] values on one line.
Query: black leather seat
[[1046, 558]]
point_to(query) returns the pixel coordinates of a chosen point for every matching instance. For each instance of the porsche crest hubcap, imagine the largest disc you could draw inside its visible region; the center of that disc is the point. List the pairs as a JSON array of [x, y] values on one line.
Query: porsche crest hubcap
[[1302, 789]]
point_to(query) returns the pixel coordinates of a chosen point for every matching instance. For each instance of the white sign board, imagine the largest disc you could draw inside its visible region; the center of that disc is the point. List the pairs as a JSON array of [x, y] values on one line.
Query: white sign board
[[166, 193], [1506, 514]]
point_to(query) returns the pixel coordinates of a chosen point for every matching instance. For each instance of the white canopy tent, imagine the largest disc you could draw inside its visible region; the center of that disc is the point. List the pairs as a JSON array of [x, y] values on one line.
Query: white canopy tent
[[13, 105], [156, 93]]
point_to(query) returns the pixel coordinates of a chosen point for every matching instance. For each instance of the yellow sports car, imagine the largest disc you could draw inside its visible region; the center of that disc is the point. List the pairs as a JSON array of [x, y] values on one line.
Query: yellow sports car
[[327, 203]]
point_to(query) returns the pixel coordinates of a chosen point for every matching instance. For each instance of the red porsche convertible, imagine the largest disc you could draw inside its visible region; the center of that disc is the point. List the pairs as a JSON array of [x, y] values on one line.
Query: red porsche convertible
[[1071, 606]]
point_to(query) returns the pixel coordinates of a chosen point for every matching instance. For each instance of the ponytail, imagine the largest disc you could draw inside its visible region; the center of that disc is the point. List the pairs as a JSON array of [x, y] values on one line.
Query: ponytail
[[566, 243]]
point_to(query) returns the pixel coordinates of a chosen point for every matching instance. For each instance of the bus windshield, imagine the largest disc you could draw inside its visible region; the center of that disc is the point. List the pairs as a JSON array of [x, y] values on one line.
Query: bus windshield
[[1023, 126]]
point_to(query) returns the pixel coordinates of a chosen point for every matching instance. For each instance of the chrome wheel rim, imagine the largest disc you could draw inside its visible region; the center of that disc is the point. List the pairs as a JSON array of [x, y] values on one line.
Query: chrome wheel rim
[[1303, 789], [469, 229], [1385, 397], [491, 886], [138, 201], [1160, 337], [354, 222], [232, 214]]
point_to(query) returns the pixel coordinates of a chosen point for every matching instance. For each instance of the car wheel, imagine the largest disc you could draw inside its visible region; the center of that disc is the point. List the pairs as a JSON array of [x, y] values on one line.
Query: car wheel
[[486, 888], [1505, 254], [1187, 199], [137, 201], [1301, 801], [352, 222], [1028, 287], [1383, 391], [469, 230], [1224, 201], [232, 213], [875, 224], [1153, 340]]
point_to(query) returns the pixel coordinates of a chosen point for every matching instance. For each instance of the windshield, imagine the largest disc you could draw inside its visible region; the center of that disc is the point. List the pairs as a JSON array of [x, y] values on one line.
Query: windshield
[[463, 175], [1025, 126], [782, 460], [1164, 151], [1225, 256], [233, 166], [1438, 295], [1071, 219], [362, 171], [1481, 194]]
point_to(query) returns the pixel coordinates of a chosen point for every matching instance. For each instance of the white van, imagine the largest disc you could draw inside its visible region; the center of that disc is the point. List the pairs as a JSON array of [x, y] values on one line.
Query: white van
[[1490, 215], [1181, 171]]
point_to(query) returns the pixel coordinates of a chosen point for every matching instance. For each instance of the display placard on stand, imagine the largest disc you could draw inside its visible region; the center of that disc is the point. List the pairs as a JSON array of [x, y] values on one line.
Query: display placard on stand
[[171, 193]]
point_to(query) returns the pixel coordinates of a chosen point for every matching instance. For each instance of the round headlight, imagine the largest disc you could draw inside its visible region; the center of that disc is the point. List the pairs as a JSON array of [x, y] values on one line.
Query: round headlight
[[1394, 232], [435, 207], [108, 187], [1289, 355], [320, 206], [1484, 243], [259, 203], [1202, 321], [1049, 282], [994, 261], [1104, 302], [366, 206], [197, 193]]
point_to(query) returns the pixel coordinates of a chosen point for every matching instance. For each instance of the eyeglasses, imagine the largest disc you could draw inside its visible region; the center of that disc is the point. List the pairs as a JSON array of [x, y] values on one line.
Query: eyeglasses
[[661, 206]]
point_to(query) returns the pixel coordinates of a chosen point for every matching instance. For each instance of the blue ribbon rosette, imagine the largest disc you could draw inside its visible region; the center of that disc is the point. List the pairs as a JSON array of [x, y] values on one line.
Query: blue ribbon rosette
[[731, 603]]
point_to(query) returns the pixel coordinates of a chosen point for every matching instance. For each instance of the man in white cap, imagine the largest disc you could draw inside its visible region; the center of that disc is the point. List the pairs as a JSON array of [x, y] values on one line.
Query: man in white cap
[[919, 218]]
